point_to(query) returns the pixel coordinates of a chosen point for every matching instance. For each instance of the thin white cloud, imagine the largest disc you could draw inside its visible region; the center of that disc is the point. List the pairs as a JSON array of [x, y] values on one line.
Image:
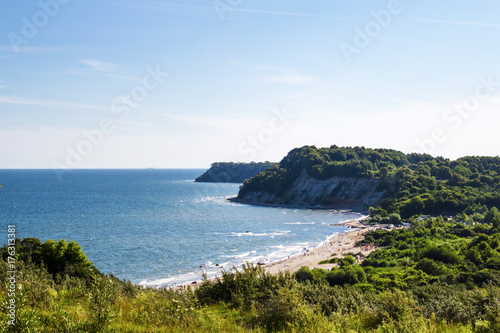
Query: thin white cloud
[[203, 11], [274, 68], [213, 8], [496, 25], [76, 71], [210, 121], [292, 79], [328, 17], [124, 77], [27, 101], [98, 65], [133, 124], [29, 49], [154, 5], [235, 62], [284, 75]]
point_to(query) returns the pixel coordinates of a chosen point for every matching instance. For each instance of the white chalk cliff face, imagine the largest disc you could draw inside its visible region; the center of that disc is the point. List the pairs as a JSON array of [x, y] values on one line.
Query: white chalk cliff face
[[335, 192]]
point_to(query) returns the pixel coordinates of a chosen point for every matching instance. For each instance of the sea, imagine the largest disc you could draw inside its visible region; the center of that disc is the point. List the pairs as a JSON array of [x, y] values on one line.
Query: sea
[[157, 227]]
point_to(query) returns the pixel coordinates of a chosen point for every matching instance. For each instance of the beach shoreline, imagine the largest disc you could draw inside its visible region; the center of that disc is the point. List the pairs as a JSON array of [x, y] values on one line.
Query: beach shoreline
[[317, 207], [337, 245]]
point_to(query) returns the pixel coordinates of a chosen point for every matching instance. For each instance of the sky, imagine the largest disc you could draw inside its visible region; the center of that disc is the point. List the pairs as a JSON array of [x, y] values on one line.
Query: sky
[[182, 84]]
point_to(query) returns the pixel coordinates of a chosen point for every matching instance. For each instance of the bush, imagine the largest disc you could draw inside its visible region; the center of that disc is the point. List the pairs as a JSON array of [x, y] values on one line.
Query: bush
[[284, 310], [346, 275], [450, 303], [394, 218], [316, 275], [444, 253], [348, 260], [241, 288], [430, 267]]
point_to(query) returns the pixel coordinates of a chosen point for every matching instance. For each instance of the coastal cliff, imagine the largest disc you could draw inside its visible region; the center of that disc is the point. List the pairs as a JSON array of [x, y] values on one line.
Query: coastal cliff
[[335, 192], [387, 180], [338, 178], [230, 172]]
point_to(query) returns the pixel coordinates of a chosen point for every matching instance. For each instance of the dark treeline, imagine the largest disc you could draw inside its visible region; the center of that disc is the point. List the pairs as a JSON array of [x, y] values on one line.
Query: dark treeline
[[231, 172]]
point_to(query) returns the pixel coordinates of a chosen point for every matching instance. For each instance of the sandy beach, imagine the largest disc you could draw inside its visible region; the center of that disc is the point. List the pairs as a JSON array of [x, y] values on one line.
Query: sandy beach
[[339, 245]]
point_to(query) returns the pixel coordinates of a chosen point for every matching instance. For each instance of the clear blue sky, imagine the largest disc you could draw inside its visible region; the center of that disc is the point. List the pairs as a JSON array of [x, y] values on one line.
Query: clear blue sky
[[167, 84]]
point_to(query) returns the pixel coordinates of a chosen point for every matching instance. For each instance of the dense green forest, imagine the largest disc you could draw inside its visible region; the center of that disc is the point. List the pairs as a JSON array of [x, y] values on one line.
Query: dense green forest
[[413, 183], [230, 172], [437, 275]]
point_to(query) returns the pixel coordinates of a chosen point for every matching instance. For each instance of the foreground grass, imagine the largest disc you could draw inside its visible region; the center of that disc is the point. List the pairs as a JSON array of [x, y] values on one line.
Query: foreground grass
[[436, 276], [240, 303]]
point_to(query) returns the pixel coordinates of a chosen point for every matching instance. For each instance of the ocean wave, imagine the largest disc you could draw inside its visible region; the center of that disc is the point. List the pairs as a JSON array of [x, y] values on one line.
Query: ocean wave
[[217, 200], [251, 234], [285, 252], [242, 255], [209, 199], [157, 283], [236, 256], [270, 254]]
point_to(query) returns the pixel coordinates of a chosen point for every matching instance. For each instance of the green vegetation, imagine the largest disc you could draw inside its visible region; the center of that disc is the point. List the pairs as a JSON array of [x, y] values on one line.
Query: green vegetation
[[413, 184], [433, 251], [230, 172], [440, 274], [435, 276]]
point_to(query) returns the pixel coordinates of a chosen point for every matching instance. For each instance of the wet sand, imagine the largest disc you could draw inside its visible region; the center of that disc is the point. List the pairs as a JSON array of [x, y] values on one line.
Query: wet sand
[[339, 245]]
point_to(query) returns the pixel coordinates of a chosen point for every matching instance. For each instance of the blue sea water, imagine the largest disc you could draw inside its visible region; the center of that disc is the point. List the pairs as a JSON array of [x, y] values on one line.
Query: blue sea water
[[157, 227]]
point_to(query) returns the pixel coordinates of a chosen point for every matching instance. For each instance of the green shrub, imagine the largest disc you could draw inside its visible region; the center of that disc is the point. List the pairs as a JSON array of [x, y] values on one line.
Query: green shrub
[[431, 267], [316, 275]]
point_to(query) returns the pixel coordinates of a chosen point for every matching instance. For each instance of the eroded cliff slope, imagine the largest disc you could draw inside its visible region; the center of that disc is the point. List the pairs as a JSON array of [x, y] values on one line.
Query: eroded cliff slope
[[335, 192]]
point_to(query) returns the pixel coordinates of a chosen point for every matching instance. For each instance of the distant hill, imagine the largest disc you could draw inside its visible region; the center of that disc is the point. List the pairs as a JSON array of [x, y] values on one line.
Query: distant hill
[[388, 180], [230, 172]]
